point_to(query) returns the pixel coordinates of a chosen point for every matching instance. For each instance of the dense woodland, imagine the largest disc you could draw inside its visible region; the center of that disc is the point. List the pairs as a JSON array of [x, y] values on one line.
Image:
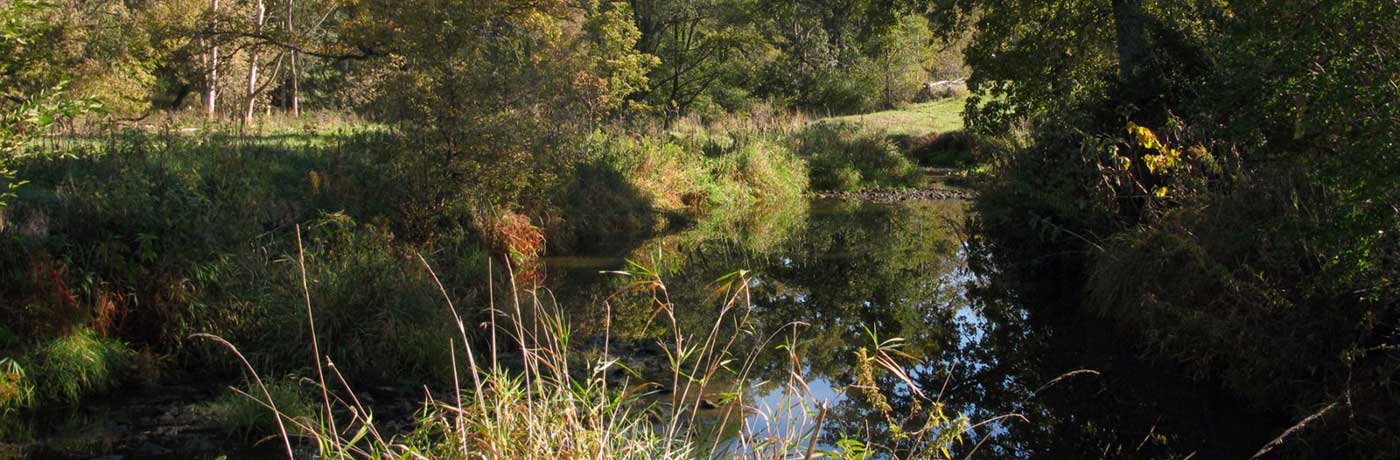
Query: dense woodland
[[1216, 181]]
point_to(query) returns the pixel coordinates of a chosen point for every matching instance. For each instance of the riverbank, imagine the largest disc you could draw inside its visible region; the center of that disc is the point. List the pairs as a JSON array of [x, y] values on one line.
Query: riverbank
[[811, 274], [135, 241], [123, 248], [899, 195], [195, 229]]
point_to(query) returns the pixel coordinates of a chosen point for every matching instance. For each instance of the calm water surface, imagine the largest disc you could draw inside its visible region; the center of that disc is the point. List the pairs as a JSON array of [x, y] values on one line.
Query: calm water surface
[[825, 280], [829, 278]]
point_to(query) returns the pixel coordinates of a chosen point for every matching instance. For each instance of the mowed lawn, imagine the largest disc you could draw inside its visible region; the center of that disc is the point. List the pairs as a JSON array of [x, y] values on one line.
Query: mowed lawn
[[914, 119]]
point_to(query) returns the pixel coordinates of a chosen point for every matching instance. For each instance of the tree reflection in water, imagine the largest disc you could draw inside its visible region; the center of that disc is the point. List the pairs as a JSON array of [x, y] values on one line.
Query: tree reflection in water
[[834, 271]]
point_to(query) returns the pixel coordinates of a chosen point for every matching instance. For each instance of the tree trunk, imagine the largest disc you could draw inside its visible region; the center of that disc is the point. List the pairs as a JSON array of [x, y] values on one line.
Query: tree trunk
[[296, 98], [211, 76], [259, 15], [1134, 53], [276, 71], [292, 61], [889, 79]]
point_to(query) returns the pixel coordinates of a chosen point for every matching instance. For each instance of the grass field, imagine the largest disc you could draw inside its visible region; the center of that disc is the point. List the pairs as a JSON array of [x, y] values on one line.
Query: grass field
[[914, 119]]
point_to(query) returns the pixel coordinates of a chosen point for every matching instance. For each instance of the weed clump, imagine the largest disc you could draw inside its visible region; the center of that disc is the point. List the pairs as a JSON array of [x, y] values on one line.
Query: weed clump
[[245, 412], [16, 391], [953, 149], [375, 304], [74, 366], [845, 158], [640, 185], [532, 396]]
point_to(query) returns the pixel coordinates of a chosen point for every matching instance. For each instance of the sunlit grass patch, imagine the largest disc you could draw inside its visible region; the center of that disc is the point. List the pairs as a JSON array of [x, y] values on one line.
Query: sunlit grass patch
[[913, 120], [844, 157], [76, 365]]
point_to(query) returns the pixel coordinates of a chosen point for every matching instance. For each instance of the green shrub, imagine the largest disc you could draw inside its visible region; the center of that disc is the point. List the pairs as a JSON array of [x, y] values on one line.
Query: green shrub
[[627, 186], [843, 157], [1199, 284], [77, 365], [130, 222], [846, 178], [176, 235], [374, 302], [1260, 278], [953, 149], [840, 93], [761, 169], [1043, 198], [639, 185]]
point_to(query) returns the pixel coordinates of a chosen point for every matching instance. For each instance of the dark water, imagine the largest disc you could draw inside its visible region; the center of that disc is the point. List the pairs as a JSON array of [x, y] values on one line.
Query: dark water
[[826, 280], [829, 278]]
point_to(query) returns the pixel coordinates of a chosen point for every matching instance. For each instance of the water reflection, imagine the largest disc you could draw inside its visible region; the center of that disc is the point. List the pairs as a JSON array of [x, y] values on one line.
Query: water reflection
[[826, 276]]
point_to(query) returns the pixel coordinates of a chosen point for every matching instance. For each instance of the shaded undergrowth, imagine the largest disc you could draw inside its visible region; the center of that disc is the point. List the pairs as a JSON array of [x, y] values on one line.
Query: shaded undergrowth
[[134, 240]]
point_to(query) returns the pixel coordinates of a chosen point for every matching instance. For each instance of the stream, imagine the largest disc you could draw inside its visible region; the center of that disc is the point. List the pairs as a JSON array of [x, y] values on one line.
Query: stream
[[825, 279], [832, 276]]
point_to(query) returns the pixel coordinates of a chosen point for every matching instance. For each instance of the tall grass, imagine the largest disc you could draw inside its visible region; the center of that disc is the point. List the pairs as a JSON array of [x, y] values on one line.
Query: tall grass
[[845, 157], [525, 391], [148, 235], [633, 186], [16, 391], [195, 122]]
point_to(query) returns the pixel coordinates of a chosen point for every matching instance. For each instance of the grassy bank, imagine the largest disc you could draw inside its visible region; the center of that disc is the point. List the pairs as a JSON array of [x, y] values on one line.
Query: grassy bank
[[914, 120], [135, 241], [118, 251], [145, 237], [632, 185], [122, 245], [887, 149]]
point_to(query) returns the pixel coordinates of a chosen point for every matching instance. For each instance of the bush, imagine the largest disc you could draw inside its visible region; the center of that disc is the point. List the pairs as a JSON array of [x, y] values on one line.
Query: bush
[[953, 149], [842, 93], [121, 231], [16, 390], [1036, 206], [844, 158], [1200, 285], [635, 186], [763, 169], [846, 178], [151, 238], [1261, 278], [77, 365], [512, 235], [373, 301]]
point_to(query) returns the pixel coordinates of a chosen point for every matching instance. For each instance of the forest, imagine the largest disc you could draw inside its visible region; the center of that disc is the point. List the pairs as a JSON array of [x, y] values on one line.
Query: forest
[[685, 229]]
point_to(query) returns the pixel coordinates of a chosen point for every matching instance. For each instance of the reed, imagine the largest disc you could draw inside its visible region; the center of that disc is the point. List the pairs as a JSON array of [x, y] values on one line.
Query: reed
[[529, 394]]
